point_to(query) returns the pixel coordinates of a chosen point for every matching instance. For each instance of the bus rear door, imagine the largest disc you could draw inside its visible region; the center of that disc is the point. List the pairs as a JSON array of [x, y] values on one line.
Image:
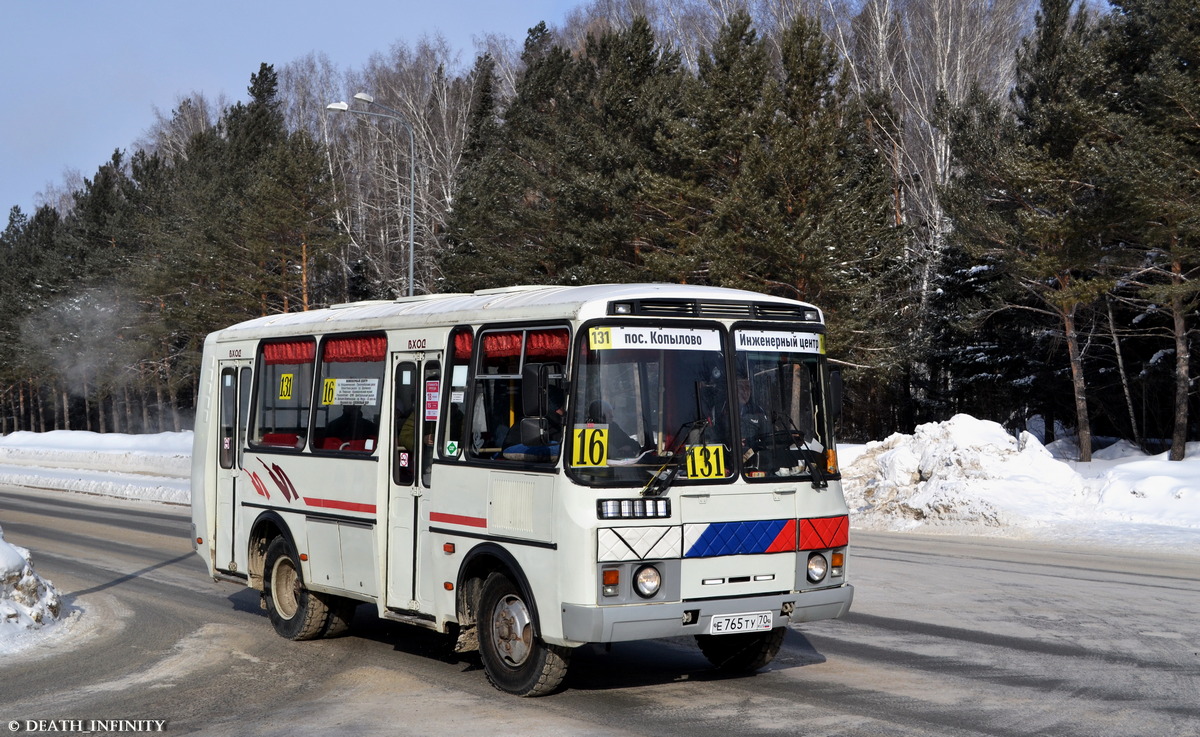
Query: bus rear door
[[234, 378]]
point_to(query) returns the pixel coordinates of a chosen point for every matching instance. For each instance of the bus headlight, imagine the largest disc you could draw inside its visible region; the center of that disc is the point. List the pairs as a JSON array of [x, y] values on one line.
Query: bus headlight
[[817, 567], [647, 581]]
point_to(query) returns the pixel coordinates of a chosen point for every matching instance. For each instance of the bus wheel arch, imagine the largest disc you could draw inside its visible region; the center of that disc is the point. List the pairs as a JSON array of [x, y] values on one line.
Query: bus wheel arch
[[480, 562], [266, 528]]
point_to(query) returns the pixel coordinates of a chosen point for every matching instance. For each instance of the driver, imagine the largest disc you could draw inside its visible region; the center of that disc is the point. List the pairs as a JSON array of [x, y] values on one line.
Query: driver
[[620, 443], [754, 420]]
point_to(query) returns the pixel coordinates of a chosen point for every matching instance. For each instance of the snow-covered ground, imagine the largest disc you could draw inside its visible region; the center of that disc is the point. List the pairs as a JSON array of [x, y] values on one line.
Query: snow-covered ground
[[151, 467], [963, 476]]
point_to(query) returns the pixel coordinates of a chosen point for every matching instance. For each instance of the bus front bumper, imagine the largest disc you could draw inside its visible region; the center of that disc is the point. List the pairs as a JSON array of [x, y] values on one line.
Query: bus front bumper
[[621, 623]]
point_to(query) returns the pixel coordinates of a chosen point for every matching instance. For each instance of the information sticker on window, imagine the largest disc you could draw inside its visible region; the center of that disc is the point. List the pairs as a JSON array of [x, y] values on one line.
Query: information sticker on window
[[775, 341], [350, 391], [433, 395], [285, 386], [590, 445], [706, 461], [653, 338], [600, 338]]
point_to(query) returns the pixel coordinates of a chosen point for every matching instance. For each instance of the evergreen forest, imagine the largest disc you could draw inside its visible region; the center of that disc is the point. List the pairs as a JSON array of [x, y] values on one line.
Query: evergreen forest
[[997, 204]]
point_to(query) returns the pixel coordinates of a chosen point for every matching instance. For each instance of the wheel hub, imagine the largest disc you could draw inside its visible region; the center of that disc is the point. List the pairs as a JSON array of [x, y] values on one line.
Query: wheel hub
[[285, 589], [512, 630]]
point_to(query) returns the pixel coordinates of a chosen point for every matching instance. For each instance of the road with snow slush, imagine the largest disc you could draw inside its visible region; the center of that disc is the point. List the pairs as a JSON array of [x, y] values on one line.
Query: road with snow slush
[[947, 636]]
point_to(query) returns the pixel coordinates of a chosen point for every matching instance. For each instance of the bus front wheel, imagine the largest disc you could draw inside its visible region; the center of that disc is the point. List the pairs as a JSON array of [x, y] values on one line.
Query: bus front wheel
[[743, 652], [295, 612], [514, 657]]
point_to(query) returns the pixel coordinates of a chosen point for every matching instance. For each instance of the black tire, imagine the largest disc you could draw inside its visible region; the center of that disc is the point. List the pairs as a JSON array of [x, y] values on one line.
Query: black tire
[[295, 612], [341, 614], [744, 652], [514, 657]]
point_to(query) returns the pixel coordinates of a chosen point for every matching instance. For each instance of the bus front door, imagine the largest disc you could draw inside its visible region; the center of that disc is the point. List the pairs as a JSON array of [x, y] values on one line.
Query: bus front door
[[415, 396]]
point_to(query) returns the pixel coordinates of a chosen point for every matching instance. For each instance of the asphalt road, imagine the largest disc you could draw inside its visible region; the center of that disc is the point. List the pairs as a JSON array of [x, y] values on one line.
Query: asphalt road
[[947, 636]]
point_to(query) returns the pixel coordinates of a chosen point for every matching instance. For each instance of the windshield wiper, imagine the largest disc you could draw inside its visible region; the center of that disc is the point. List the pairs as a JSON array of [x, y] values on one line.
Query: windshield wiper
[[666, 474], [818, 479]]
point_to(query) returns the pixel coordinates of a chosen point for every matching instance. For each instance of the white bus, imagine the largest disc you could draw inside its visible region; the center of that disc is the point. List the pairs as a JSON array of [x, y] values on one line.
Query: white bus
[[530, 469]]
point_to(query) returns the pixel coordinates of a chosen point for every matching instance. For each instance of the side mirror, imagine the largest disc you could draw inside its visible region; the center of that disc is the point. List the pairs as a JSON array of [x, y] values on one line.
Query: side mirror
[[534, 382], [835, 392], [535, 431]]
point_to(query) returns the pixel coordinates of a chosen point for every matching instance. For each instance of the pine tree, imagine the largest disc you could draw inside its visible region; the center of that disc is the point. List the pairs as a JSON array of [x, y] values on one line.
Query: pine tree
[[706, 151], [559, 196], [1041, 196], [1153, 160]]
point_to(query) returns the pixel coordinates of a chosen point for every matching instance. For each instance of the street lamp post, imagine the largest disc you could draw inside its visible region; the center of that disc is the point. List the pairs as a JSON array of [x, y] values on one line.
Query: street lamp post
[[396, 116]]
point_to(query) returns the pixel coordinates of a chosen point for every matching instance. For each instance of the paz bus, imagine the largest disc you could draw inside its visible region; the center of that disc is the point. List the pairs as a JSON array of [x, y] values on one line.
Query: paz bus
[[530, 470]]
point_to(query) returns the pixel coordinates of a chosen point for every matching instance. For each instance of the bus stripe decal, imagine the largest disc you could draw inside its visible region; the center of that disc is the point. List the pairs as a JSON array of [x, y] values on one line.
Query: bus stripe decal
[[785, 541], [765, 536], [457, 519], [824, 532], [335, 504], [740, 538]]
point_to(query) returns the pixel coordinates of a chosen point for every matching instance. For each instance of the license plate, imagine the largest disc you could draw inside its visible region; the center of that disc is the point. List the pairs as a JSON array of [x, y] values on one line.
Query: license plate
[[728, 624]]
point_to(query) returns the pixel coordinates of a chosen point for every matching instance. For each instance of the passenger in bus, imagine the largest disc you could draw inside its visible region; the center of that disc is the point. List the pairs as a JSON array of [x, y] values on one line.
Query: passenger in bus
[[546, 449], [406, 437], [350, 425], [620, 443]]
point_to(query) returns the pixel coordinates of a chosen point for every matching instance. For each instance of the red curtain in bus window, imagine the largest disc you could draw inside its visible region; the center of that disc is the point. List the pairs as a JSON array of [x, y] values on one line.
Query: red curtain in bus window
[[547, 344], [350, 350], [462, 345], [502, 345], [541, 344], [293, 351]]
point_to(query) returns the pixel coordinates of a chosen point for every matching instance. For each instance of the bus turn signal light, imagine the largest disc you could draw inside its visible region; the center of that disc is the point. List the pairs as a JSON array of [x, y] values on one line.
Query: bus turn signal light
[[611, 578]]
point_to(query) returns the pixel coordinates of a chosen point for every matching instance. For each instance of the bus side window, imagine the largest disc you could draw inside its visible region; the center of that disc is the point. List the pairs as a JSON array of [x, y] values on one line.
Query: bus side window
[[245, 389], [454, 392], [433, 372], [406, 415], [349, 392], [502, 424], [284, 393], [228, 449]]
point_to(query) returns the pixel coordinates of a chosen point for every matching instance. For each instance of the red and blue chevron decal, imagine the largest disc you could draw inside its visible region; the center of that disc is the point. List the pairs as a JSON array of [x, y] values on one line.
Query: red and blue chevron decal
[[824, 532], [744, 538], [768, 536]]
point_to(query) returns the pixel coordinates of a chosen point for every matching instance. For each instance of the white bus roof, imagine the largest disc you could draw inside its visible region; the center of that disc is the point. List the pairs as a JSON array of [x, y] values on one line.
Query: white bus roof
[[494, 305]]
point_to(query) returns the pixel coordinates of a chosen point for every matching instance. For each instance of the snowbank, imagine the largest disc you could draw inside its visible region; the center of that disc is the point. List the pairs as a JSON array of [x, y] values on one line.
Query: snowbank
[[970, 476], [151, 467], [27, 601]]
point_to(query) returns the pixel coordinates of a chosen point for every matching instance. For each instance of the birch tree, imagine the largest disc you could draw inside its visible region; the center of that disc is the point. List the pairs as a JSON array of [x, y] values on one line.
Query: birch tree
[[372, 159]]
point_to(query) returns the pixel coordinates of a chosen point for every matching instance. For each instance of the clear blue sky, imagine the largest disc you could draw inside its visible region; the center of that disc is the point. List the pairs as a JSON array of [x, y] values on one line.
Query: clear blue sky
[[82, 77]]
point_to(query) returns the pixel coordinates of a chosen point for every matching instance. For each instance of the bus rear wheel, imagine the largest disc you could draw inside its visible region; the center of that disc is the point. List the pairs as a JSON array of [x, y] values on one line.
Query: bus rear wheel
[[743, 652], [295, 612], [514, 657]]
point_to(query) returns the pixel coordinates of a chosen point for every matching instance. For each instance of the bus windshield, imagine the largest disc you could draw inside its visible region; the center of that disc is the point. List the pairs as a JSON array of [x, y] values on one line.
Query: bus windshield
[[781, 414], [646, 403]]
